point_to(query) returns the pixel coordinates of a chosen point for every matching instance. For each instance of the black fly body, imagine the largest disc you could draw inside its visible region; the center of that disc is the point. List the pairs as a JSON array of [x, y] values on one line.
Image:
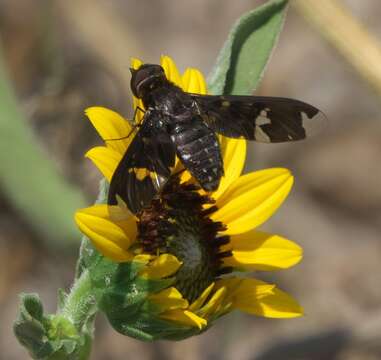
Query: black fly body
[[184, 124]]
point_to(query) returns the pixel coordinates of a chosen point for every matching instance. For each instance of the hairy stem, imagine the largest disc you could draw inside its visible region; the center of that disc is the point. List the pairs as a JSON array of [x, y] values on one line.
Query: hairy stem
[[80, 304]]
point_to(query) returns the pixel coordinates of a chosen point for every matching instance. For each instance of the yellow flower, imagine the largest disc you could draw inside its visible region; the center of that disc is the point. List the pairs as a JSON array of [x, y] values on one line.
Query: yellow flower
[[196, 238]]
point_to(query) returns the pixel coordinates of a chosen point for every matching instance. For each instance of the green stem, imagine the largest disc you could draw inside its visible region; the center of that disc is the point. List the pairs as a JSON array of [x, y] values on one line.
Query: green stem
[[80, 309], [80, 305]]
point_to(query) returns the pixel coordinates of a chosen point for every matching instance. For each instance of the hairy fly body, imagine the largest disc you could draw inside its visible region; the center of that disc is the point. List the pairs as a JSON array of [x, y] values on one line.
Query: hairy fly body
[[186, 125]]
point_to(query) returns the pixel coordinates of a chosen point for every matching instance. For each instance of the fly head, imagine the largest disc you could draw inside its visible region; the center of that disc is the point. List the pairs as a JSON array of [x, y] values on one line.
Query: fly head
[[146, 78]]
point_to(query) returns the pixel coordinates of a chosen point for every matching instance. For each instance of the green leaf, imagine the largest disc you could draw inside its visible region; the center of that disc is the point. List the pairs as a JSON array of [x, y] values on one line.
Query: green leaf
[[32, 306], [243, 58], [29, 328]]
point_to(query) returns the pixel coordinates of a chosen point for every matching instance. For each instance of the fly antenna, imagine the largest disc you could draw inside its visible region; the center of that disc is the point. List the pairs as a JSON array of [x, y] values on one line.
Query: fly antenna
[[124, 137], [138, 108]]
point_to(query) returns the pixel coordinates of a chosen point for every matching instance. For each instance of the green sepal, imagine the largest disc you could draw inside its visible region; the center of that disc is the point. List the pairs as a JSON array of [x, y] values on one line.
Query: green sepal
[[122, 291], [123, 296], [48, 337], [149, 327], [243, 58]]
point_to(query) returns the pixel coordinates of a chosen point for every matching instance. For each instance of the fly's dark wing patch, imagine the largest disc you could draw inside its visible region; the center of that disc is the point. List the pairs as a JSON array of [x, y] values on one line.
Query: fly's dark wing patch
[[264, 119], [144, 168]]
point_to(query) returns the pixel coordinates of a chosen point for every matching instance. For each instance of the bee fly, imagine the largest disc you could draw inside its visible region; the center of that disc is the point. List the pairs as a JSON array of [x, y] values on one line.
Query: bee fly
[[184, 124]]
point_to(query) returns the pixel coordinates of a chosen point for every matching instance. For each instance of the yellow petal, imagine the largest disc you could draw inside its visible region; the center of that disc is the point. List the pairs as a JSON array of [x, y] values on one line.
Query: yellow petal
[[256, 250], [186, 177], [106, 236], [105, 159], [252, 199], [169, 299], [171, 71], [163, 266], [119, 216], [184, 317], [214, 304], [136, 63], [113, 213], [201, 299], [110, 125], [234, 155], [124, 219], [237, 287], [272, 303], [194, 81], [144, 258]]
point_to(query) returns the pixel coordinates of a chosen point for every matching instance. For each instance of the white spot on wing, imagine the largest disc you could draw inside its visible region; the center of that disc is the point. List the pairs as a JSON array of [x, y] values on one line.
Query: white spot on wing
[[314, 125], [263, 113], [262, 120], [260, 135]]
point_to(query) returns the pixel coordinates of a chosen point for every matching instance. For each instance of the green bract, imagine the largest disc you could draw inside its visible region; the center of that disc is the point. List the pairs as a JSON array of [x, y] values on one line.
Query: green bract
[[124, 300]]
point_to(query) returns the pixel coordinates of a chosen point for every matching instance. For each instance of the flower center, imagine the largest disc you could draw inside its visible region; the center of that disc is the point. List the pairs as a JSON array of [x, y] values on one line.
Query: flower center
[[178, 224]]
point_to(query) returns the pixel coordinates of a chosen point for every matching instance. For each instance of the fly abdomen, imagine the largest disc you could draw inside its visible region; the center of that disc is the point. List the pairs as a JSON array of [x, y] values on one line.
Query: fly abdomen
[[199, 151]]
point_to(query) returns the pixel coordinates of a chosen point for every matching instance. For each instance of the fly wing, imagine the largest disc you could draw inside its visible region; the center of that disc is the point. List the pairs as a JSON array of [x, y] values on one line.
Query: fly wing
[[144, 168], [259, 118]]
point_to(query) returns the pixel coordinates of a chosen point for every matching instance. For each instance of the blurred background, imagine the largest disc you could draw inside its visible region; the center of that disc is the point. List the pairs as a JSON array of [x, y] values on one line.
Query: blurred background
[[64, 56]]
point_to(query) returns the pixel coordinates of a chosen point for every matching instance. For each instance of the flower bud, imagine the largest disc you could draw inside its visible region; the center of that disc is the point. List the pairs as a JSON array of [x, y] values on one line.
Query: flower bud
[[48, 337]]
